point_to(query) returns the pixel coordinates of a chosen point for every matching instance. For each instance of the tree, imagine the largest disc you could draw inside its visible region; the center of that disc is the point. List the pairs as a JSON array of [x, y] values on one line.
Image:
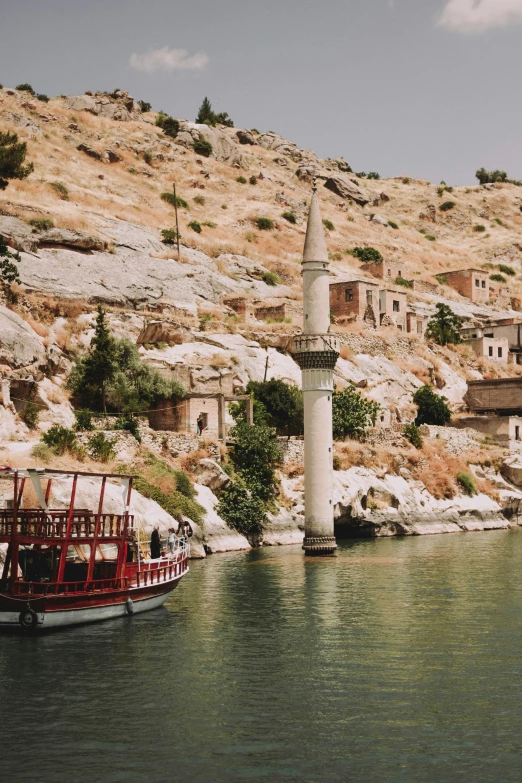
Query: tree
[[241, 509], [352, 414], [12, 157], [112, 376], [444, 327], [207, 117], [256, 457], [8, 271], [282, 406], [432, 408], [168, 125]]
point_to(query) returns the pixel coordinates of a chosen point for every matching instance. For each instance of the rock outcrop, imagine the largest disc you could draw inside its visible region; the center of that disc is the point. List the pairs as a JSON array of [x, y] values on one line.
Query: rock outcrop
[[20, 346], [117, 106], [347, 189]]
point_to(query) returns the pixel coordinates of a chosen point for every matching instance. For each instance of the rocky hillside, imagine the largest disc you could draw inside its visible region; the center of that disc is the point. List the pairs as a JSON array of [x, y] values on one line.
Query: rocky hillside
[[88, 224]]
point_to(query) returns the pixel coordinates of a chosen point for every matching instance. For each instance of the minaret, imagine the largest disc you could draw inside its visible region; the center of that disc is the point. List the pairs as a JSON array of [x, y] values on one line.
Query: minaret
[[316, 351]]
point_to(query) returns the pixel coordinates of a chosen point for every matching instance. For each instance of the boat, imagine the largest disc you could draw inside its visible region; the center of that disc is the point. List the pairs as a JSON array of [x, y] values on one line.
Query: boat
[[72, 565]]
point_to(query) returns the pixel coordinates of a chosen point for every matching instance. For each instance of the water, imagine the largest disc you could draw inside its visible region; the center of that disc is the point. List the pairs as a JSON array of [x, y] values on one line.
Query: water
[[399, 661]]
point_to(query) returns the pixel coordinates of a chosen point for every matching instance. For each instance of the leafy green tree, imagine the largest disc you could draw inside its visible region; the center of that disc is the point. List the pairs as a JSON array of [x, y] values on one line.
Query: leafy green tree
[[432, 408], [241, 508], [100, 365], [352, 414], [12, 157], [282, 406], [256, 457], [444, 327], [208, 117]]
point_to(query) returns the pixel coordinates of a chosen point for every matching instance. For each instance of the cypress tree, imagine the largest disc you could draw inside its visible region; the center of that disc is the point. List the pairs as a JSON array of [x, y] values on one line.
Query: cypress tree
[[12, 157], [100, 365]]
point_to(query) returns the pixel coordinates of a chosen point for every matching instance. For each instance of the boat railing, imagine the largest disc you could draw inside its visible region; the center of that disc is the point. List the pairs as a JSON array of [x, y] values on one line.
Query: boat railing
[[36, 523], [161, 570], [69, 588]]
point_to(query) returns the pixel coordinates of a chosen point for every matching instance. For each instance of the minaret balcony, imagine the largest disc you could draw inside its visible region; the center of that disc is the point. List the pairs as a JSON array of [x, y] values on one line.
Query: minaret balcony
[[316, 351]]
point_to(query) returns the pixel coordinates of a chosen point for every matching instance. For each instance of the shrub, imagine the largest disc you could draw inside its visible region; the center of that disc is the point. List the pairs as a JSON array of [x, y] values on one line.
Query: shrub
[[432, 408], [168, 125], [184, 485], [26, 88], [241, 180], [61, 190], [508, 270], [42, 97], [42, 453], [498, 221], [12, 157], [373, 175], [278, 405], [402, 281], [413, 434], [366, 253], [83, 421], [479, 229], [393, 225], [447, 205], [361, 174], [337, 464], [129, 424], [101, 448], [30, 414], [352, 414], [444, 327], [497, 278], [486, 177], [328, 224], [442, 279], [170, 236], [203, 147], [195, 226], [175, 201], [8, 270], [200, 200], [270, 278], [406, 180], [41, 224], [290, 217], [144, 106], [60, 439], [241, 509], [431, 238], [209, 224], [253, 180], [264, 223], [467, 484], [147, 157]]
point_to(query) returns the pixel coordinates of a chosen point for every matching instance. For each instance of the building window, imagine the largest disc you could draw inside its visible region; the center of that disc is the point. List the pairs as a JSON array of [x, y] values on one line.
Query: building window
[[490, 350], [419, 327], [400, 273], [389, 273], [483, 284], [477, 283], [500, 353], [396, 306], [517, 433], [348, 295], [369, 297]]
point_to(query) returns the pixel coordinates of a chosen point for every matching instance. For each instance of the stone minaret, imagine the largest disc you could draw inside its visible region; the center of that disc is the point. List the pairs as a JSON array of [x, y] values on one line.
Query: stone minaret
[[316, 352]]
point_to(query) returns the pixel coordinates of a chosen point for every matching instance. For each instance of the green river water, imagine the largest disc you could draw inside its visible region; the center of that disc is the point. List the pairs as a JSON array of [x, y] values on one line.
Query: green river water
[[398, 661]]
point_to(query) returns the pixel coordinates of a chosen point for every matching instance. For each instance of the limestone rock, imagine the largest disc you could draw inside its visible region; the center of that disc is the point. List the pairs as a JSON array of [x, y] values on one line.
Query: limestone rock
[[81, 103], [20, 346], [224, 148], [217, 536], [112, 156], [210, 474], [118, 106], [245, 137], [347, 189], [21, 121], [90, 151], [18, 234], [64, 237]]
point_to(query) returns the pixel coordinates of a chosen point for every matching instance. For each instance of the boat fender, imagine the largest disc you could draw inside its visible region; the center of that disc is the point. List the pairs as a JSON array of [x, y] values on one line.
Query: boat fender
[[28, 619], [129, 606]]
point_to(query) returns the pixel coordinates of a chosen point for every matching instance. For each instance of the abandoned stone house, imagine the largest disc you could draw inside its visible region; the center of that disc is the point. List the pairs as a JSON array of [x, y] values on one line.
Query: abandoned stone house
[[508, 329], [497, 405], [276, 312], [386, 270], [183, 416], [392, 308], [496, 349], [417, 323], [356, 299], [504, 430], [471, 283]]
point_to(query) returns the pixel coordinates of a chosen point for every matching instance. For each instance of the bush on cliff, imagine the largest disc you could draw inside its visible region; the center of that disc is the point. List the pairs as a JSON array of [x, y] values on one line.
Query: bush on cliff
[[432, 408], [276, 404], [255, 456], [168, 125], [241, 509], [352, 414], [12, 157]]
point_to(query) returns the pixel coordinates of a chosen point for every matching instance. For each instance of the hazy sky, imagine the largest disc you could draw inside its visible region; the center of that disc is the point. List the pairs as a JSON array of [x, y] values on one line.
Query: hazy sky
[[428, 88]]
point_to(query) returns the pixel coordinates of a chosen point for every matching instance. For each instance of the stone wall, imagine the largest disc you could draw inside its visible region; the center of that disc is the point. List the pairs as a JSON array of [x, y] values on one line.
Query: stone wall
[[292, 450], [343, 306]]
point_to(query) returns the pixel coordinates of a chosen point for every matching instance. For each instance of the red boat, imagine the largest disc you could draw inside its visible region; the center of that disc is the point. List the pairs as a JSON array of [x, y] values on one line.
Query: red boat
[[69, 566]]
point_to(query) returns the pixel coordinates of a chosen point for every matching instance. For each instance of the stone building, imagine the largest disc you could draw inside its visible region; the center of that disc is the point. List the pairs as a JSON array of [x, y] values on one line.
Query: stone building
[[417, 323], [275, 312], [494, 348], [183, 416], [392, 308], [500, 395], [504, 430], [356, 299], [509, 329], [239, 304], [386, 270], [472, 283]]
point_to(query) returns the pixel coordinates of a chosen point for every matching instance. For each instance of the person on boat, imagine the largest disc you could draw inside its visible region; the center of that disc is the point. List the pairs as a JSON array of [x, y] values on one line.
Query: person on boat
[[187, 529], [172, 540], [155, 544]]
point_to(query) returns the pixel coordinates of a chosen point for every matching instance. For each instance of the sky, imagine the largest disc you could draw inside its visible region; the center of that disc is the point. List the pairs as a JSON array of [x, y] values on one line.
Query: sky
[[424, 88]]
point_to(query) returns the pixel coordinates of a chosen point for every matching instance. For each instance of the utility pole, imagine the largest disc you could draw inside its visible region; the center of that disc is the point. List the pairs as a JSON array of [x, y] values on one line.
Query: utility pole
[[177, 224]]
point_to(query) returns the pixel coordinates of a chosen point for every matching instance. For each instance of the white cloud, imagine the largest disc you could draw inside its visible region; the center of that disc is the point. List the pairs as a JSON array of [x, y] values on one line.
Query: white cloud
[[166, 59], [476, 16]]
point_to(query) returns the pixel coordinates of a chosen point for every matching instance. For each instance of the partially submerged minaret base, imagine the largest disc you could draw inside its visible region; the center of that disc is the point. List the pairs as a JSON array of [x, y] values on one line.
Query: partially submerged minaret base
[[316, 351]]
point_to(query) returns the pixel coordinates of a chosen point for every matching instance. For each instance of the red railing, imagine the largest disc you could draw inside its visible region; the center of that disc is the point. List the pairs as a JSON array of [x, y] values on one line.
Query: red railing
[[156, 573], [35, 523], [69, 588]]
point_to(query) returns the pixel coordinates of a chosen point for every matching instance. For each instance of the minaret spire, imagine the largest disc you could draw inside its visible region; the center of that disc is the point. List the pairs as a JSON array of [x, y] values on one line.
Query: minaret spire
[[316, 352]]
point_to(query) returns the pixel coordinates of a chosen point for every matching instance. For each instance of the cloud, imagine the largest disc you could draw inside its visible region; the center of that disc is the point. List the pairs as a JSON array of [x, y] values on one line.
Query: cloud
[[476, 16], [166, 59]]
